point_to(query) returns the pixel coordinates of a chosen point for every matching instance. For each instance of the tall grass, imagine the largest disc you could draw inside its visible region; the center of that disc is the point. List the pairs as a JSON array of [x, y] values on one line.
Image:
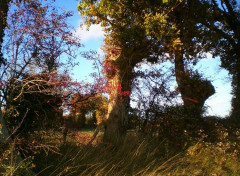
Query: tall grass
[[140, 155]]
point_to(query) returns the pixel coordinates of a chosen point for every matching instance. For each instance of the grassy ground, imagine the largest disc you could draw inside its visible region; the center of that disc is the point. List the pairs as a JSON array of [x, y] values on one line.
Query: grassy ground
[[137, 156]]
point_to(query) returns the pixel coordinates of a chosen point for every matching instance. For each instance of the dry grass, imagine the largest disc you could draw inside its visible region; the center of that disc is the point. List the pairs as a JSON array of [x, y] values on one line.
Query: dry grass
[[138, 156]]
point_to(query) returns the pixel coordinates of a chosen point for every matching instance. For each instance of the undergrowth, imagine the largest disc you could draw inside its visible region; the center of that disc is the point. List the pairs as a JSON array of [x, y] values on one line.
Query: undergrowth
[[142, 155], [215, 153]]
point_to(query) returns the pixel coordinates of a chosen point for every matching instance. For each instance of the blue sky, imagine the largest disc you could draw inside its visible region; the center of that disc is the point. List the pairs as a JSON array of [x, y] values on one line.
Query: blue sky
[[218, 104]]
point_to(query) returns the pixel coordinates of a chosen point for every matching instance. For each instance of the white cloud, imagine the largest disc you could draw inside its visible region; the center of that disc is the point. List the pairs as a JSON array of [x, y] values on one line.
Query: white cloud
[[100, 51], [94, 32]]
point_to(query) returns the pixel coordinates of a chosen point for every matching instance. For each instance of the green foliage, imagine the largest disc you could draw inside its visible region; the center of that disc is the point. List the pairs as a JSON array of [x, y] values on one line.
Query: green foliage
[[128, 23], [89, 109]]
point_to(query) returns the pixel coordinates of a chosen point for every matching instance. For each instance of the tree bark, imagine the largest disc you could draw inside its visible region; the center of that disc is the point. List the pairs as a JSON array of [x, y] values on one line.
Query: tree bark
[[194, 92], [119, 104]]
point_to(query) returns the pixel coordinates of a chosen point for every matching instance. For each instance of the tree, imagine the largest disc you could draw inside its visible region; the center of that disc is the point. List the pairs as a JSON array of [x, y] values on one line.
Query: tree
[[185, 46], [4, 7], [127, 43], [33, 109], [220, 23], [37, 36], [180, 44], [95, 104], [151, 94]]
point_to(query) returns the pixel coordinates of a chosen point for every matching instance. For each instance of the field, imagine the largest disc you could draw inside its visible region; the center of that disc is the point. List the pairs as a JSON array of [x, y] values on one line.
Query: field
[[138, 155]]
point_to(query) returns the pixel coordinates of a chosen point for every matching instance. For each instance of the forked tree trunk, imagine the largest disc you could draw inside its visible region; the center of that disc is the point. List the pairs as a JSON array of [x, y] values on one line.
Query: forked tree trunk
[[194, 92]]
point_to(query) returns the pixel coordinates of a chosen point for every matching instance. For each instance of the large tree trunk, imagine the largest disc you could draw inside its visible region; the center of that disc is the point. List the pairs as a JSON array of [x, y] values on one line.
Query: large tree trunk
[[120, 81], [194, 91], [116, 123]]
